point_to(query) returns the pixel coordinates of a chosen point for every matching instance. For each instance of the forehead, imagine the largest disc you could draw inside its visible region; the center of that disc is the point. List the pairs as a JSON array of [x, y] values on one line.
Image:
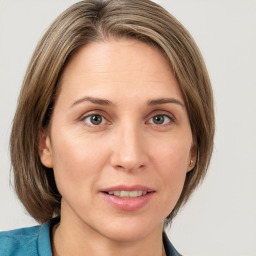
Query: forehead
[[117, 55], [123, 64]]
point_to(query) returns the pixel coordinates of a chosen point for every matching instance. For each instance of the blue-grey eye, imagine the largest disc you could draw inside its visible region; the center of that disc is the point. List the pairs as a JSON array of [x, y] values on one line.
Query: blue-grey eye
[[95, 119], [160, 119]]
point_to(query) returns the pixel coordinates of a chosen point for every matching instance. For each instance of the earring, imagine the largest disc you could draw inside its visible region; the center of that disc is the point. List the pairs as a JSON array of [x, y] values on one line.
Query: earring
[[191, 163]]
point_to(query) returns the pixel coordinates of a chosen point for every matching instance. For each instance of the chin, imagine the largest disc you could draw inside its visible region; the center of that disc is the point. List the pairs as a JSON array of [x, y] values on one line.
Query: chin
[[131, 231]]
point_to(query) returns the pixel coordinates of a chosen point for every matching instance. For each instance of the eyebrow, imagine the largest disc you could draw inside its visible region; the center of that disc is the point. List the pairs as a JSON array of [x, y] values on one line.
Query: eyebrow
[[105, 102], [93, 100], [165, 101]]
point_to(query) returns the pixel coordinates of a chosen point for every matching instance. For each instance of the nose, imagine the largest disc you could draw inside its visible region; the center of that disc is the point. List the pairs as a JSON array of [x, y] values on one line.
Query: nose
[[128, 152]]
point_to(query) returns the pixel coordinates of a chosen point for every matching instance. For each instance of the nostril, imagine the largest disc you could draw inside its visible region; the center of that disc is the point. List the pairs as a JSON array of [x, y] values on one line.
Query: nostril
[[129, 168]]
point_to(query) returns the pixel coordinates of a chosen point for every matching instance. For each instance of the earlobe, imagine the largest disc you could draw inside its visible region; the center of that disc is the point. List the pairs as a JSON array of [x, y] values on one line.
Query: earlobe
[[193, 158], [44, 149]]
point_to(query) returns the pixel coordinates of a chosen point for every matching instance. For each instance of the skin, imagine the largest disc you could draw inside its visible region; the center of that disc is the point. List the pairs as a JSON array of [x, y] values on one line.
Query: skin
[[128, 147]]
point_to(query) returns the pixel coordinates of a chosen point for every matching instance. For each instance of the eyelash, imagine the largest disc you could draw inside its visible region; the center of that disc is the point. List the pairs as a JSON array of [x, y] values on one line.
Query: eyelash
[[170, 119], [90, 124], [94, 115]]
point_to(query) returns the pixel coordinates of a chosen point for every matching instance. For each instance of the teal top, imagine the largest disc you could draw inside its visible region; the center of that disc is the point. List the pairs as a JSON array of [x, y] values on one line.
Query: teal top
[[31, 241], [36, 241]]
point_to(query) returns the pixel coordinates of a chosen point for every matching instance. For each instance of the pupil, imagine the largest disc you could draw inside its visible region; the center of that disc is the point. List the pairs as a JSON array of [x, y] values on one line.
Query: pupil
[[96, 119], [158, 119]]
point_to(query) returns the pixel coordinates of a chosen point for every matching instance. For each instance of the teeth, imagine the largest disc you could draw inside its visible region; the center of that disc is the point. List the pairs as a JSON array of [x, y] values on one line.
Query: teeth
[[126, 194], [117, 193]]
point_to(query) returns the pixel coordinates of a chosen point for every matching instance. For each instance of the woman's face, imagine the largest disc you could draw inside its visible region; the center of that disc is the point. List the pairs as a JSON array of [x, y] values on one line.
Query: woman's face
[[119, 140]]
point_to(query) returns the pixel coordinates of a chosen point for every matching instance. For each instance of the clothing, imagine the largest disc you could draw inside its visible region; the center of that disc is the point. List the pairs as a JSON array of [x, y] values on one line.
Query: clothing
[[169, 248], [35, 241]]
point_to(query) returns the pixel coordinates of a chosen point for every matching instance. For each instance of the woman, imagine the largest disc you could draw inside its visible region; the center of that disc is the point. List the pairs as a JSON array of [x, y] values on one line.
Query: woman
[[113, 132]]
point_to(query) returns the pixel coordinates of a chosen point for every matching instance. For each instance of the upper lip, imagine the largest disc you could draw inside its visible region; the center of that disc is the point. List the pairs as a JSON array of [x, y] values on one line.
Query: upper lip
[[128, 188]]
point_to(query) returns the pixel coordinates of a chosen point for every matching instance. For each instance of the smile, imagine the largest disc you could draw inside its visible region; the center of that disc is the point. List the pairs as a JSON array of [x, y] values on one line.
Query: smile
[[127, 194], [128, 198]]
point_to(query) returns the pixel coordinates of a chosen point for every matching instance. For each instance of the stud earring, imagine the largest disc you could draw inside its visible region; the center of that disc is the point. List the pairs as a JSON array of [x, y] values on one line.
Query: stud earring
[[191, 163]]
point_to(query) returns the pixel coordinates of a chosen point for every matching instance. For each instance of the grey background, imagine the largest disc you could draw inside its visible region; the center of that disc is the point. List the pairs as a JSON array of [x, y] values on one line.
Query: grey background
[[220, 219]]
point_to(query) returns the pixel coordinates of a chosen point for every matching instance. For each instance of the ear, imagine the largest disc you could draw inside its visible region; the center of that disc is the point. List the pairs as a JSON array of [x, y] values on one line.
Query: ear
[[193, 157], [45, 149]]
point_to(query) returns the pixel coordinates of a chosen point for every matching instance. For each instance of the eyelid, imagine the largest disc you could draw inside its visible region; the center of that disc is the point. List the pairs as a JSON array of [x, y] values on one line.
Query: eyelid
[[93, 125], [91, 113], [163, 113], [166, 116]]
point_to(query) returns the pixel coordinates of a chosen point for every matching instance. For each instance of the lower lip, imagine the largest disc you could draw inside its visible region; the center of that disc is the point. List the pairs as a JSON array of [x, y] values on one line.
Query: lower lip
[[130, 203]]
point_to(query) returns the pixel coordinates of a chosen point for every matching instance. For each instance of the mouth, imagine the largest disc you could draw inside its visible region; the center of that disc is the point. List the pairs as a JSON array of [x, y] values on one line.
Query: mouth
[[128, 198], [127, 194]]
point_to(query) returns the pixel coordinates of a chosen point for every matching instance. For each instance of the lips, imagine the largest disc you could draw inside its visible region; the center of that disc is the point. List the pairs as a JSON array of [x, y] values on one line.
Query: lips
[[128, 198]]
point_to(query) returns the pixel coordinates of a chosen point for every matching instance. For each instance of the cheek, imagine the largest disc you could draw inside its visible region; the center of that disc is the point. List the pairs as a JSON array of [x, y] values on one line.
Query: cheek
[[172, 159], [77, 161], [174, 155], [170, 164]]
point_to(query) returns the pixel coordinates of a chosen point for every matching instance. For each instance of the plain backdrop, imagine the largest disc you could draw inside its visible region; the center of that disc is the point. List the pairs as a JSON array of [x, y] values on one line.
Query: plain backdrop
[[220, 218]]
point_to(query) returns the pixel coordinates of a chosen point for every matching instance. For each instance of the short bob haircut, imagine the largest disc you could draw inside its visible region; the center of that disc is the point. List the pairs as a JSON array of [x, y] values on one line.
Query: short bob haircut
[[95, 21]]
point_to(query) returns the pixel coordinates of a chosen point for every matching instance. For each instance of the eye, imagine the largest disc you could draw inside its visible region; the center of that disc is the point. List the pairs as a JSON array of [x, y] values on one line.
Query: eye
[[160, 119], [94, 120]]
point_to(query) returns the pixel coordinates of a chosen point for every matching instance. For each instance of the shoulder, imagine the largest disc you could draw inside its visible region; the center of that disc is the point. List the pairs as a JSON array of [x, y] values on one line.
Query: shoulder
[[25, 241], [19, 240]]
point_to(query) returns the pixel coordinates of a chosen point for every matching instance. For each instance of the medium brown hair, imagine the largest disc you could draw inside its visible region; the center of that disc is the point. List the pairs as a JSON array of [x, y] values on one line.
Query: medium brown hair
[[90, 21]]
